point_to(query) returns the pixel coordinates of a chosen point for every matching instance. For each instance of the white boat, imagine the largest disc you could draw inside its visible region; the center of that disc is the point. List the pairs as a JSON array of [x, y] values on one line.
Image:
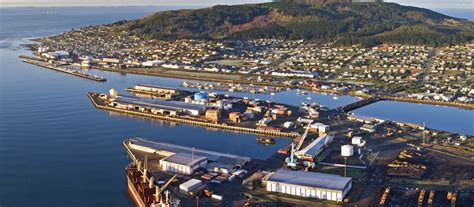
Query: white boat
[[335, 97], [309, 97]]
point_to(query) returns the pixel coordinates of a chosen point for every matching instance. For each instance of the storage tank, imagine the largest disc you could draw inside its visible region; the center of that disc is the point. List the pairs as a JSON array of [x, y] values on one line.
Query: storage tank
[[201, 96], [347, 150], [113, 92]]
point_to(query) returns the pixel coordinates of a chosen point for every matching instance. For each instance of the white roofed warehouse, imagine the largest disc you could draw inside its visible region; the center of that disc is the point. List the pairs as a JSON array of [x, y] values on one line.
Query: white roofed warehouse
[[309, 184], [182, 163]]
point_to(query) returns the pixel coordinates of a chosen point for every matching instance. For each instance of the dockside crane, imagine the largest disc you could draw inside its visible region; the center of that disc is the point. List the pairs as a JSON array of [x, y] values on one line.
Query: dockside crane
[[291, 161], [303, 137], [158, 192]]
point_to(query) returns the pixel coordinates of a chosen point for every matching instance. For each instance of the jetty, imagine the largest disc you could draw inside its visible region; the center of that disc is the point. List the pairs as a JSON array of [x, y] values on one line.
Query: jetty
[[66, 70], [166, 149], [94, 97]]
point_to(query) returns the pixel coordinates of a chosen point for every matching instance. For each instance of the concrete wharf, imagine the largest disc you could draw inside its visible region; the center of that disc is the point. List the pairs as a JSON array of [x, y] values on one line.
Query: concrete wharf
[[184, 120], [165, 149]]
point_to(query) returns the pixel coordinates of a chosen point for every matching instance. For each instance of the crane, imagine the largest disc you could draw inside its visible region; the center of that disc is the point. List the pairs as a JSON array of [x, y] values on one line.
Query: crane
[[302, 138], [158, 191]]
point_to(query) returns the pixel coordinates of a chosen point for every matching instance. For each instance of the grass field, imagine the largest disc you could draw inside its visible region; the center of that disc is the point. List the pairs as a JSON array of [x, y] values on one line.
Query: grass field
[[229, 62]]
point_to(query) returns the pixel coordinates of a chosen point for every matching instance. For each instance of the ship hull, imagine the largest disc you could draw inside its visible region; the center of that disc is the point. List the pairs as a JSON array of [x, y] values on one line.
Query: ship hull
[[133, 193]]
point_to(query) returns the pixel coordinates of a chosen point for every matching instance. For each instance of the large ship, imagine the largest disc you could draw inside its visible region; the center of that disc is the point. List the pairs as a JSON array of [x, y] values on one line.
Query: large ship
[[144, 191]]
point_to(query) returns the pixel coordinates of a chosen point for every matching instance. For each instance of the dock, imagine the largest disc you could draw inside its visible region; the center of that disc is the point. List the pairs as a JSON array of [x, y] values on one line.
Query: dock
[[184, 120], [67, 71], [166, 149]]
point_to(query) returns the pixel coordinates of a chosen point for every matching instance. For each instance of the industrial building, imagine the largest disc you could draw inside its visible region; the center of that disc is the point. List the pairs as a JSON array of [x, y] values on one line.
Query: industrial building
[[182, 163], [157, 90], [157, 106], [309, 184], [369, 128], [314, 148]]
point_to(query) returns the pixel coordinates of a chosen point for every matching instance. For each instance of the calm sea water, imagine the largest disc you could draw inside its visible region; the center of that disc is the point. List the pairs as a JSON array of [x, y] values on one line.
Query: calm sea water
[[56, 149]]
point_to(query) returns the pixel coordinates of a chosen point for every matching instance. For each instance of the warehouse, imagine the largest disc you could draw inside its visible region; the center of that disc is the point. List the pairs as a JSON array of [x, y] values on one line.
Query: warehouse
[[157, 106], [309, 184], [314, 148], [164, 92], [182, 163]]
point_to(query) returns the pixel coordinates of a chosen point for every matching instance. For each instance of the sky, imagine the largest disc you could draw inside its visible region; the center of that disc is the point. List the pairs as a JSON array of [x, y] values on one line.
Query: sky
[[431, 4]]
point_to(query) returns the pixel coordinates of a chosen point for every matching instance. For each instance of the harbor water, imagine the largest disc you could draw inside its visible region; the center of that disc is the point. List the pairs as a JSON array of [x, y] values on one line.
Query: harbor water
[[56, 149]]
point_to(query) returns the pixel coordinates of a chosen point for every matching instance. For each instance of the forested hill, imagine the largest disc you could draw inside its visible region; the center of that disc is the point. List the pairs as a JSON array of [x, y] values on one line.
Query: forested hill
[[342, 23]]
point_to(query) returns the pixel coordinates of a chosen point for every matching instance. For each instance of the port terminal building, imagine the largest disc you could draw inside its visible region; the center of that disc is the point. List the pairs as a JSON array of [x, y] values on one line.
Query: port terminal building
[[309, 184], [314, 148]]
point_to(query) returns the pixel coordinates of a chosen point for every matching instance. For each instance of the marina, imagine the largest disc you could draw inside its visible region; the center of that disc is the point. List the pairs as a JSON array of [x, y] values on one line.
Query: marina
[[231, 87]]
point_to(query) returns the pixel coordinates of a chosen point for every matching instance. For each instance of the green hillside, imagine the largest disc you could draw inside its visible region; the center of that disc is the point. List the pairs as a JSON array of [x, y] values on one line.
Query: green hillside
[[342, 23]]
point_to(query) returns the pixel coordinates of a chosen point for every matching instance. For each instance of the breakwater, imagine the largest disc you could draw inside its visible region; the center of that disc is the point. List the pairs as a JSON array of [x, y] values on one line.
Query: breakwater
[[67, 71]]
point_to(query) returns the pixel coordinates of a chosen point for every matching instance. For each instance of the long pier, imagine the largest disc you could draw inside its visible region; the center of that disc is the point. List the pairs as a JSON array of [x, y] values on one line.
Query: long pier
[[67, 71], [183, 120]]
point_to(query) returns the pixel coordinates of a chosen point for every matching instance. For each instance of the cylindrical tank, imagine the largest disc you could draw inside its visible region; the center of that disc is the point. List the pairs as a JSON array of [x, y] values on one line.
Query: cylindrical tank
[[113, 92], [201, 96], [347, 150]]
